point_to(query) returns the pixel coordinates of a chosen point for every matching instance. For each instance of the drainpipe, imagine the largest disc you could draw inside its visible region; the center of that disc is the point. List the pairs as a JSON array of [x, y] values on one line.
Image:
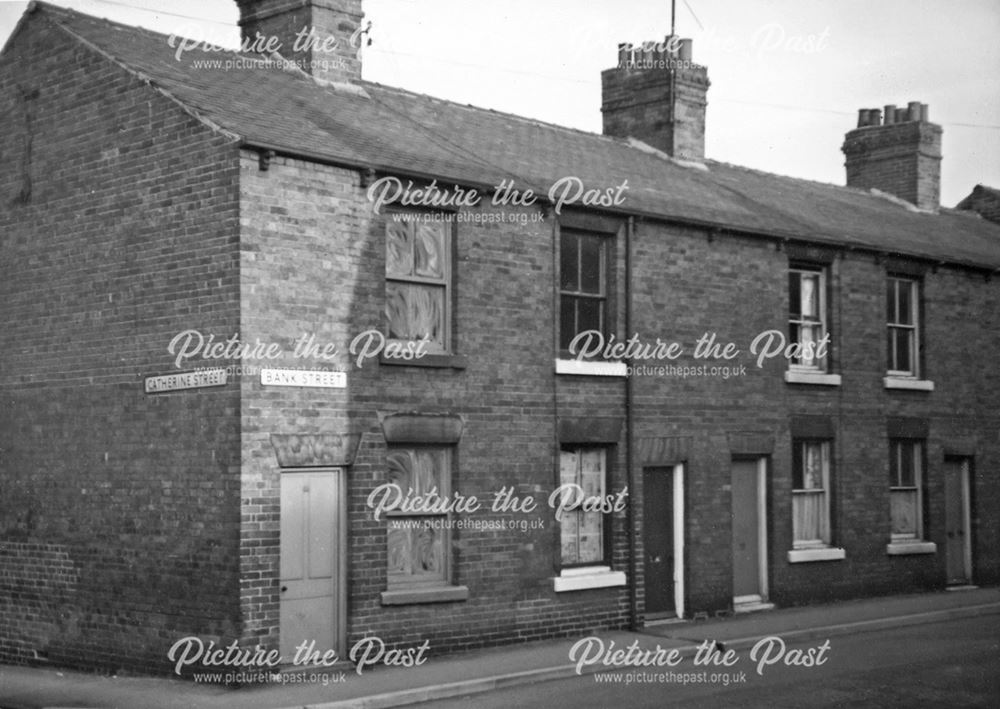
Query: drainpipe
[[629, 437], [555, 355]]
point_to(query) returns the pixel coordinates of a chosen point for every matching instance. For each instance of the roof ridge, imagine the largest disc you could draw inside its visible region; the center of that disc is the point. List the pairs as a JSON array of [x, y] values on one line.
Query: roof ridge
[[613, 140], [872, 193], [137, 73], [61, 10], [759, 171], [506, 114]]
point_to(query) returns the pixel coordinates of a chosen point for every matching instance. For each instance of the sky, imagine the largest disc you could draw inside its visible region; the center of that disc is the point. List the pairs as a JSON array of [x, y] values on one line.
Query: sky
[[788, 76]]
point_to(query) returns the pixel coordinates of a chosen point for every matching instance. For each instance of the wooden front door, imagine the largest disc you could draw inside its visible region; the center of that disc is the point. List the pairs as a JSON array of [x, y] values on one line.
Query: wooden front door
[[957, 514], [311, 551], [749, 538], [658, 538]]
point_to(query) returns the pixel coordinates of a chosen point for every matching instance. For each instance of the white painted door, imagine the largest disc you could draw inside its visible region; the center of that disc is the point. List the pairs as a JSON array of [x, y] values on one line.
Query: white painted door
[[310, 509]]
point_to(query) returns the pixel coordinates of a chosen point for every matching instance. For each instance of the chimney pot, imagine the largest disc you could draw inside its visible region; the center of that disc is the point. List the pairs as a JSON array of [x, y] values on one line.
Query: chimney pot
[[670, 46], [687, 46], [665, 109], [901, 156]]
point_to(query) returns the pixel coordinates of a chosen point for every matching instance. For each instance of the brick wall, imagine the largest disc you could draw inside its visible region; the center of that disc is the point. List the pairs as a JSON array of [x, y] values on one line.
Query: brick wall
[[687, 287], [308, 230], [313, 262], [687, 284], [119, 511]]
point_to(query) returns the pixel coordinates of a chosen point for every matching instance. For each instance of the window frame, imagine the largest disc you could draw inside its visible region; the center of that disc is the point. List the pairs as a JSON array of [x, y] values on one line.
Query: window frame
[[402, 582], [415, 217], [604, 561], [914, 372], [822, 365], [826, 461], [604, 297], [919, 457]]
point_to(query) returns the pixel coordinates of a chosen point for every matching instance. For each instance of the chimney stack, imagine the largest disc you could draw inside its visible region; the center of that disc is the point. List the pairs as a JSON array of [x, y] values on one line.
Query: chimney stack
[[321, 36], [658, 95], [898, 153]]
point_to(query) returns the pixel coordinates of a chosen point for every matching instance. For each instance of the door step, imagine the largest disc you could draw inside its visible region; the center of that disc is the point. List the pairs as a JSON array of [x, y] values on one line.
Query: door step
[[963, 587], [653, 622], [752, 606]]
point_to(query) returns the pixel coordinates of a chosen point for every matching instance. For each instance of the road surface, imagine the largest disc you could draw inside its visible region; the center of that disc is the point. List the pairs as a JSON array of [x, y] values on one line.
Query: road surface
[[945, 664]]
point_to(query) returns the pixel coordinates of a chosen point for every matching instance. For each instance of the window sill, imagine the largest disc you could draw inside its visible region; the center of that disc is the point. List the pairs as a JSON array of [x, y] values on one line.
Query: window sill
[[910, 547], [587, 577], [438, 361], [591, 369], [440, 594], [799, 556], [908, 383], [801, 377]]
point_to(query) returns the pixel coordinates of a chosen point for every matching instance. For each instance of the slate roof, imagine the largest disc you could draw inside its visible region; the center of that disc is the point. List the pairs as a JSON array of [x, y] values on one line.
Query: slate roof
[[985, 193], [407, 133]]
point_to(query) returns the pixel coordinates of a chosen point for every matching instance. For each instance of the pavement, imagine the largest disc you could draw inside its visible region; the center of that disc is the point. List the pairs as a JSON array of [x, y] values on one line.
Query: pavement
[[23, 687]]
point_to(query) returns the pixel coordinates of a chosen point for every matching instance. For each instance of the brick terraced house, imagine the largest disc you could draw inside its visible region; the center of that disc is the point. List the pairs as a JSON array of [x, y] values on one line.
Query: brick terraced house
[[228, 342]]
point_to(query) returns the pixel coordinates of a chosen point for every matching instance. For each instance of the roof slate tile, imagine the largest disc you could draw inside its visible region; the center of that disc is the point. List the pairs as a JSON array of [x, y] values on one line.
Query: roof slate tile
[[408, 133]]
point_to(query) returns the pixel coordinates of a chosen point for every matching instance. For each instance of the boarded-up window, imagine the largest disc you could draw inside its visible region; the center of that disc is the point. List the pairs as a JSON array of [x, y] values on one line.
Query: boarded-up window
[[581, 532], [418, 280], [418, 542]]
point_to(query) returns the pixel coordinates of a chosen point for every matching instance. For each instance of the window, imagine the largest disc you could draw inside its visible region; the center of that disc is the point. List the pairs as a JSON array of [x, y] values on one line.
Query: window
[[582, 533], [418, 550], [418, 281], [906, 463], [903, 331], [807, 318], [811, 494], [583, 288]]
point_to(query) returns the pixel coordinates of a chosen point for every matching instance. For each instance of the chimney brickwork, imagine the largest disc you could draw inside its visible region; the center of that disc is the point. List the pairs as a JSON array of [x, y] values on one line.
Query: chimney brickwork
[[323, 21], [658, 95], [898, 153]]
